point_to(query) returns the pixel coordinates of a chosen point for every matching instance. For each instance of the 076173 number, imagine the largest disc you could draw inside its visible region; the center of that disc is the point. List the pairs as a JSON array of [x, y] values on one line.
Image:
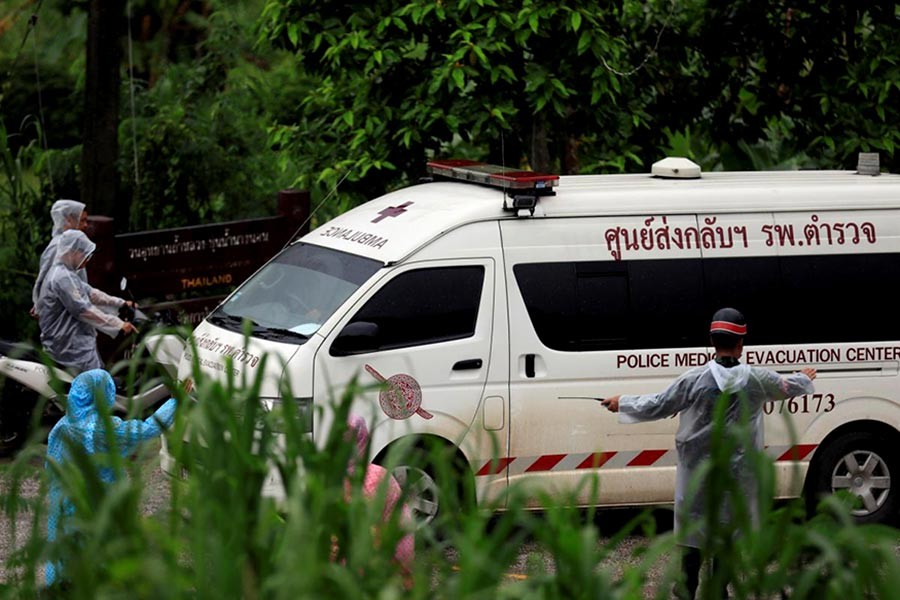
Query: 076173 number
[[807, 403]]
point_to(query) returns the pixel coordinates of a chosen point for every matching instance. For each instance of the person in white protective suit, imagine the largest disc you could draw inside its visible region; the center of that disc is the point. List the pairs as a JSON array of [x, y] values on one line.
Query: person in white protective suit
[[693, 397], [82, 430], [66, 214], [68, 308]]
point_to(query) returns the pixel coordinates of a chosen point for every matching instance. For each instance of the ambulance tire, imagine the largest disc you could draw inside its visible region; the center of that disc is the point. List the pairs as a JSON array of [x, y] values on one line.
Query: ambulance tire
[[16, 407], [864, 464], [433, 477]]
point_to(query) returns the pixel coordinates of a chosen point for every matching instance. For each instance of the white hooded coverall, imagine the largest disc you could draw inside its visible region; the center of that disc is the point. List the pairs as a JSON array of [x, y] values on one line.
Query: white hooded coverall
[[68, 310], [693, 397], [65, 215]]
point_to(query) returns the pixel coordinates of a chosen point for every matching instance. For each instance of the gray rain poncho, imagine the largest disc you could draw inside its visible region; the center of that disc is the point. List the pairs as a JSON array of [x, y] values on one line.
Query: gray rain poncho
[[68, 310], [82, 430], [66, 214], [693, 397]]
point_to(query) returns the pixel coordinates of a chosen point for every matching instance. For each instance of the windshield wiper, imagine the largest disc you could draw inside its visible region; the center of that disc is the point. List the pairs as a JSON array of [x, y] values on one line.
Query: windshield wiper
[[223, 318]]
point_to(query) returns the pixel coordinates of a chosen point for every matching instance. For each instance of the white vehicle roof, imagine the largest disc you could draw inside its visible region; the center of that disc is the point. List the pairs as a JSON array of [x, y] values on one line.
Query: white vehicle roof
[[393, 226]]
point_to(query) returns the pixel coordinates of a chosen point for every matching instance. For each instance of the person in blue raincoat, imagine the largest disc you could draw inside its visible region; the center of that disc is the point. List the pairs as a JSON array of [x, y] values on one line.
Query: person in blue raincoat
[[83, 428], [693, 397]]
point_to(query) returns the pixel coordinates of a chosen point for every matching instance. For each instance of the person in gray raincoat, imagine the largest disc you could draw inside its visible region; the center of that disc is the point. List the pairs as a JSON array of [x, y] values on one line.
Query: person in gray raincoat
[[693, 397], [66, 214], [82, 430], [68, 308]]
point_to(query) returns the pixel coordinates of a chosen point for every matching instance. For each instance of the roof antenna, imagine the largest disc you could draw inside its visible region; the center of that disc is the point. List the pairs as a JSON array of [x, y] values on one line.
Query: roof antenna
[[503, 159], [316, 209]]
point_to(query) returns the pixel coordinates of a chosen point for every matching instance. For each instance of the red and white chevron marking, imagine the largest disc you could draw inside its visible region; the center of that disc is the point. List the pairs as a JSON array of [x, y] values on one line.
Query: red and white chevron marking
[[518, 465]]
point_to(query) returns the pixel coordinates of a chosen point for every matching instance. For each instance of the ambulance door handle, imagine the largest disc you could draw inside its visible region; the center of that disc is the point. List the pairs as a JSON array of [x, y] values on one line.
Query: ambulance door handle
[[529, 365], [472, 363]]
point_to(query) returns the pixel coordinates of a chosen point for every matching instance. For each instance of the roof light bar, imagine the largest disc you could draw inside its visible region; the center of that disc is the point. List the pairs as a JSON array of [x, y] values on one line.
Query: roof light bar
[[493, 175]]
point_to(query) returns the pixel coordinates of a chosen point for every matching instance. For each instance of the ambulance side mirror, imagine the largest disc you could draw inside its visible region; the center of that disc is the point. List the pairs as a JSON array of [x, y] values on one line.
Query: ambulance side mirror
[[356, 338]]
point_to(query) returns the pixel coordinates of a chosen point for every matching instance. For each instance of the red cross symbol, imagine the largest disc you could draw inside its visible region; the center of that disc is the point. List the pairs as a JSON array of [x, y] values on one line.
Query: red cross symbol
[[391, 211]]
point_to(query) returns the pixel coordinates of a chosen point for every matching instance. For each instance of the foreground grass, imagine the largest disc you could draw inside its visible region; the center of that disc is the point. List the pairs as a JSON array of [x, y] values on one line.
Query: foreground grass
[[215, 536]]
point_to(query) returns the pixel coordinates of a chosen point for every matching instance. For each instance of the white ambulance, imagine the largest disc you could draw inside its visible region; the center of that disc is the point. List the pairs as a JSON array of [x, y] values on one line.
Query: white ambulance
[[494, 305]]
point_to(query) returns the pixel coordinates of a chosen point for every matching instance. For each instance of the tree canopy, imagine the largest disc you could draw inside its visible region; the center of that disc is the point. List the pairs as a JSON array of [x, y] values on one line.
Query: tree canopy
[[580, 86]]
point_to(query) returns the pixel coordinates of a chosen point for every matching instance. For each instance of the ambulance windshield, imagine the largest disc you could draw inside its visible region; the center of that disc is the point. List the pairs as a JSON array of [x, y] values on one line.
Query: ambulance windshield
[[290, 298]]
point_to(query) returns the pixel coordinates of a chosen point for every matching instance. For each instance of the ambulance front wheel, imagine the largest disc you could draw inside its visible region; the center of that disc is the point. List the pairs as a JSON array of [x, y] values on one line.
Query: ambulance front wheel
[[433, 478], [865, 465]]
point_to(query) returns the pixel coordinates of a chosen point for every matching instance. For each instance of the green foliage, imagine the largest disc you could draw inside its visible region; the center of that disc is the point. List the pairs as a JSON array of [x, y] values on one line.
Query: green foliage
[[23, 226], [522, 82], [773, 86], [38, 76], [584, 87], [202, 154]]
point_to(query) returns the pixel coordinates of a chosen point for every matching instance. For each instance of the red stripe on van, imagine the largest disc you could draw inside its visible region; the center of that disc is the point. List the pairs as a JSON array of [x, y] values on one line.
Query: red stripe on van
[[646, 458], [545, 462], [596, 460], [798, 452], [498, 465]]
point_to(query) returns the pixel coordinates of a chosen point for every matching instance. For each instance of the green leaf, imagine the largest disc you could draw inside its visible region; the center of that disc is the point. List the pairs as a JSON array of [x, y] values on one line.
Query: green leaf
[[293, 32], [459, 78], [480, 54], [560, 87], [575, 20], [348, 118], [534, 21], [584, 42]]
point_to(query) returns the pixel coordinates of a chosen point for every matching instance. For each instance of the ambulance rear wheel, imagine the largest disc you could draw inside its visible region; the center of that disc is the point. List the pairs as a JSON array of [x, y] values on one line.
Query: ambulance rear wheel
[[433, 479], [16, 406], [866, 466]]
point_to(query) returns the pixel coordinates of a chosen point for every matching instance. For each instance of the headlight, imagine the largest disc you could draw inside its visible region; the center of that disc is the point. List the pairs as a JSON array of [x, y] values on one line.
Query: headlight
[[277, 412]]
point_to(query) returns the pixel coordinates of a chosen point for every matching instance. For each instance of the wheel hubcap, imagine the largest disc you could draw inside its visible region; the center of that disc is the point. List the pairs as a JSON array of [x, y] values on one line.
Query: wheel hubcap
[[865, 475], [421, 492]]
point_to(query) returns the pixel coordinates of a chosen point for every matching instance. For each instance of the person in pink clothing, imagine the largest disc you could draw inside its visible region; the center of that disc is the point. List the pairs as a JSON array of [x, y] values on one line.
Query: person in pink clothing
[[373, 480]]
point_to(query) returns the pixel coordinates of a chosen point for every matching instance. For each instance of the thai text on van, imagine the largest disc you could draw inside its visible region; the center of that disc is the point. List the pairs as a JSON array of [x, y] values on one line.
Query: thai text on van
[[659, 235]]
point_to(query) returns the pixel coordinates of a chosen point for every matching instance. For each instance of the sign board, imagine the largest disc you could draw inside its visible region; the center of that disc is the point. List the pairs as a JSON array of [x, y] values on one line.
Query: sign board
[[191, 269], [197, 259]]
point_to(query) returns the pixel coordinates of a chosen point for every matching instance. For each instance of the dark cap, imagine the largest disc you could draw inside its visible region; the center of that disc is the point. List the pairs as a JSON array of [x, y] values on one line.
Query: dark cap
[[728, 321]]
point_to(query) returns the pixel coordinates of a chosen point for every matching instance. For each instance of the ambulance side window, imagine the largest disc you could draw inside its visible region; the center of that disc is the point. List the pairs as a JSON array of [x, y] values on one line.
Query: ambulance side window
[[424, 306], [606, 305]]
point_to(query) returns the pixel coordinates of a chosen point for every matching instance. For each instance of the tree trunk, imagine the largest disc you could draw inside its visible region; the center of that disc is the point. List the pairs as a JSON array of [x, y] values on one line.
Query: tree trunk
[[540, 147], [100, 150]]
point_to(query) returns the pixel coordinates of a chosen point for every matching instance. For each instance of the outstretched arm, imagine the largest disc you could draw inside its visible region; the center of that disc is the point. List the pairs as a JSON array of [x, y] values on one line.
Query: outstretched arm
[[129, 434], [649, 407], [795, 384]]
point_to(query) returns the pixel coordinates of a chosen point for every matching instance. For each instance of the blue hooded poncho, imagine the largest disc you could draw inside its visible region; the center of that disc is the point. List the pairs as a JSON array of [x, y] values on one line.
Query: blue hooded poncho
[[83, 427]]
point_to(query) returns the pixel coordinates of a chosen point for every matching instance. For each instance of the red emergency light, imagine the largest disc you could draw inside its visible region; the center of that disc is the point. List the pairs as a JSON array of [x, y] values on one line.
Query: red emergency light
[[493, 175]]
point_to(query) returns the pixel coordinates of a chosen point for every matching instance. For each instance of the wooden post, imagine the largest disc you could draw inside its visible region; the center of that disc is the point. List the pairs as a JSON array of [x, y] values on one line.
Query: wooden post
[[102, 266], [102, 273], [100, 148]]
